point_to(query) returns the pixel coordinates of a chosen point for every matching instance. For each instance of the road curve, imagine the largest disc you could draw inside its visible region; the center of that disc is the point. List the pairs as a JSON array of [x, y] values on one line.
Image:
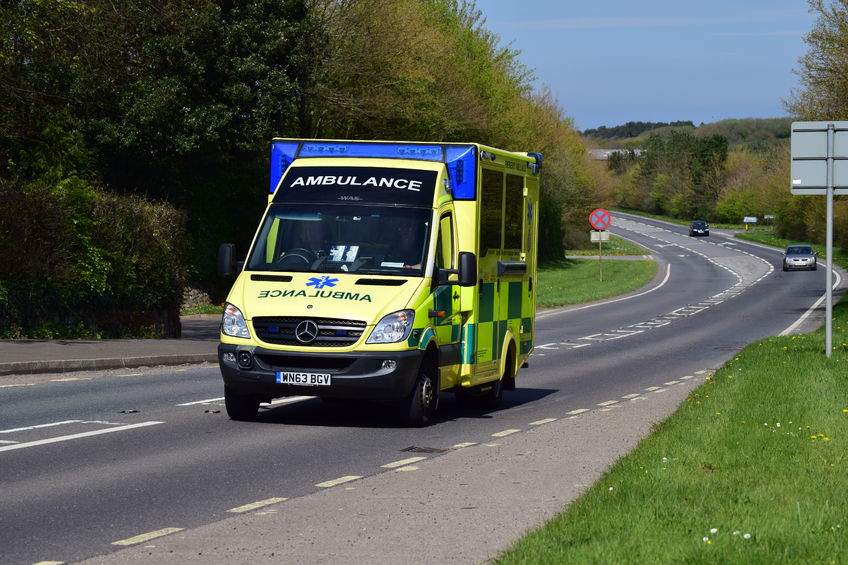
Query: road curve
[[100, 461]]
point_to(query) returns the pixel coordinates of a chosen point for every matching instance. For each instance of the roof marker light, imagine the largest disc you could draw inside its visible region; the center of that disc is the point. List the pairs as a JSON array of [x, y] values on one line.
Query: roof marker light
[[372, 150]]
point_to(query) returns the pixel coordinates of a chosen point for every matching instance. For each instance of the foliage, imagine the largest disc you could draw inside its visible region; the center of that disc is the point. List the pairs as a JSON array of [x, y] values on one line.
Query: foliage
[[76, 261], [823, 70], [631, 129]]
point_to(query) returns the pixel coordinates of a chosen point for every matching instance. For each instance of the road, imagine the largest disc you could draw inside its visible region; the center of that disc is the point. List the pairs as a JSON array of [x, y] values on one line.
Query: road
[[87, 463]]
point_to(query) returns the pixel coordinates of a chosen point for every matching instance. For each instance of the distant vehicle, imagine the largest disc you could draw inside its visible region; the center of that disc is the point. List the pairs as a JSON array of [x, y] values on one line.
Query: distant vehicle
[[699, 227], [799, 257]]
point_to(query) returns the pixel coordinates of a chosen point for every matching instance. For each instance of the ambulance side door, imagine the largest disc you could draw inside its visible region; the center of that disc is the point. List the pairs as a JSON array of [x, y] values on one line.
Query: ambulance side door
[[447, 322]]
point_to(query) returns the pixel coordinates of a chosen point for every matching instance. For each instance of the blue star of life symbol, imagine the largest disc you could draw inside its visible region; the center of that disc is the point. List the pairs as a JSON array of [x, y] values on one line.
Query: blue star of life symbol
[[321, 282]]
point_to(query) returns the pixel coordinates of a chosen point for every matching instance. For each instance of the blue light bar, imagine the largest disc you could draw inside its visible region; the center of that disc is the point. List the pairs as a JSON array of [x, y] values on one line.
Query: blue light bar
[[461, 160], [373, 150], [282, 155], [462, 170]]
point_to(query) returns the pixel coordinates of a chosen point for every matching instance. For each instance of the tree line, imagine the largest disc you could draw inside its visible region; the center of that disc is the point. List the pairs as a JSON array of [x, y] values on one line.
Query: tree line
[[134, 135]]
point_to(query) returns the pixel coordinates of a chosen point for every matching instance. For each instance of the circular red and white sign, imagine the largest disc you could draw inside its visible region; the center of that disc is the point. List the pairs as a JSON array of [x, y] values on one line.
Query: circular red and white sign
[[600, 219]]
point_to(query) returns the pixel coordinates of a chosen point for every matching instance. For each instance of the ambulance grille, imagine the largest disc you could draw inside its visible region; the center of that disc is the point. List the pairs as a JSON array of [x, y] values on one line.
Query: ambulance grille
[[332, 332]]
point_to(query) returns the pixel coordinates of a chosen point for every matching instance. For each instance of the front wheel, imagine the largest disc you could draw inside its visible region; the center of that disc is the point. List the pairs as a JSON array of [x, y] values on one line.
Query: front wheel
[[240, 407], [418, 409], [815, 267]]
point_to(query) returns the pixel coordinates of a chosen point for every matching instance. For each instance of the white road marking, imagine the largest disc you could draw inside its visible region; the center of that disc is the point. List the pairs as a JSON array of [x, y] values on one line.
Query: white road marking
[[130, 375], [700, 372], [578, 411], [69, 379], [687, 377], [7, 441], [141, 538], [659, 390], [20, 384], [402, 462], [669, 383], [50, 425], [257, 504], [608, 403], [815, 305], [464, 444], [505, 433], [406, 469], [77, 436], [652, 388], [547, 346], [580, 345], [629, 396], [49, 563], [208, 400], [543, 422], [340, 480], [289, 400]]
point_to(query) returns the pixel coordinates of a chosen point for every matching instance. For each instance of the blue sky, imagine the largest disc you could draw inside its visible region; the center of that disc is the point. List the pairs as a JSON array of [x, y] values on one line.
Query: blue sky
[[609, 62]]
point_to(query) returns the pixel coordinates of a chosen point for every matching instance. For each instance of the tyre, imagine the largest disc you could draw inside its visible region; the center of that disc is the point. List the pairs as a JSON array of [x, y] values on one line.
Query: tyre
[[815, 267], [491, 394], [785, 268], [418, 409], [240, 407]]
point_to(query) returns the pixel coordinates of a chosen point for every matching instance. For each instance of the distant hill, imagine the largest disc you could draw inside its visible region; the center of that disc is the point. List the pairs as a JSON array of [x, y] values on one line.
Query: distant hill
[[630, 129], [753, 133]]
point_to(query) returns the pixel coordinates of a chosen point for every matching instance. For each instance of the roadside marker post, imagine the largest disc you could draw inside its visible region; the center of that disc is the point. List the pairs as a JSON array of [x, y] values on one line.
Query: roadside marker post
[[819, 153], [600, 219]]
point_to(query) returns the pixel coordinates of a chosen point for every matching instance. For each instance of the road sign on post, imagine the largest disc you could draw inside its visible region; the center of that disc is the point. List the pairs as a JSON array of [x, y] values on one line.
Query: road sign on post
[[820, 168], [600, 219]]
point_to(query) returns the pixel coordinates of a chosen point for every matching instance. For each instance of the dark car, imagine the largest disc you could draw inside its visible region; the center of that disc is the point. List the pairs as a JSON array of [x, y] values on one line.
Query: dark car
[[799, 257], [699, 227]]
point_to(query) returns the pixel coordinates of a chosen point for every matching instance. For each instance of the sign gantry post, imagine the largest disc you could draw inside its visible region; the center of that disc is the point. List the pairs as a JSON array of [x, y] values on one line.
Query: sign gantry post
[[820, 168]]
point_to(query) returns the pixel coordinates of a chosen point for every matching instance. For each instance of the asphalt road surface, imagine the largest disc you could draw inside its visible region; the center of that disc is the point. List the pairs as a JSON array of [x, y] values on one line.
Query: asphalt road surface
[[87, 462]]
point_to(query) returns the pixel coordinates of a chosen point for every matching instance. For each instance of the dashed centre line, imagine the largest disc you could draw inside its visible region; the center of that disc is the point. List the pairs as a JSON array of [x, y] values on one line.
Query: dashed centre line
[[669, 383], [464, 444], [543, 421], [505, 433], [608, 403], [141, 538], [578, 411]]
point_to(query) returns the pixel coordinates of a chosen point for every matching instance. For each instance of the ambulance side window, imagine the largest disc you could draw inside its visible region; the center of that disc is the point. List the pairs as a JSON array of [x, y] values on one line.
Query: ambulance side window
[[444, 244], [514, 212], [491, 211]]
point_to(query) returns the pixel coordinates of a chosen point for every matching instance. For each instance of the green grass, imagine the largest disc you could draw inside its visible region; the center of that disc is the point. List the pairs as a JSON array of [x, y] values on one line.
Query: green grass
[[615, 246], [202, 309], [766, 236], [576, 281], [761, 448], [677, 221]]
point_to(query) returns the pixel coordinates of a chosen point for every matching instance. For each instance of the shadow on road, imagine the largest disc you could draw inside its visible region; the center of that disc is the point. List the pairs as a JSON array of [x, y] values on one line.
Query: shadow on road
[[363, 414]]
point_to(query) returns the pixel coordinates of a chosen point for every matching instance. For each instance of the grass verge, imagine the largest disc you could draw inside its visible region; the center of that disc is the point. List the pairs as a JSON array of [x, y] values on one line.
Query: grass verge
[[202, 309], [615, 246], [576, 281], [750, 469]]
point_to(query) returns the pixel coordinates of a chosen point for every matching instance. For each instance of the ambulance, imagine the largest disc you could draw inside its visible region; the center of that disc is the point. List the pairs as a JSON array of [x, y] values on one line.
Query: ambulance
[[384, 271]]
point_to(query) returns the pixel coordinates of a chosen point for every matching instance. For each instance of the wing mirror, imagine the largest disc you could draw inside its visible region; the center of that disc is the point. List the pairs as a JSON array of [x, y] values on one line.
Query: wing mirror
[[466, 274], [227, 267]]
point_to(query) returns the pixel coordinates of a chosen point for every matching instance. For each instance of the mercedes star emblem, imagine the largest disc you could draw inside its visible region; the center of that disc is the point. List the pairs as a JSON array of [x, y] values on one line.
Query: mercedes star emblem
[[306, 331]]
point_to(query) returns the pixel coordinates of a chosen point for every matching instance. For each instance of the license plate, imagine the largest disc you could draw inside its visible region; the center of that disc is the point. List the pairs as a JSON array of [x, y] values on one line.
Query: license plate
[[303, 379]]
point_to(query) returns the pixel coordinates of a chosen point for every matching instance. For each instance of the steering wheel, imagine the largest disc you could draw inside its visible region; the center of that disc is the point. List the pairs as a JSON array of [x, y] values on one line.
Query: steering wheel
[[298, 253]]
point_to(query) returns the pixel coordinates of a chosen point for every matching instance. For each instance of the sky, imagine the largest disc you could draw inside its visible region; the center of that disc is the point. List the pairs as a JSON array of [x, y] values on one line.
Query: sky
[[610, 62]]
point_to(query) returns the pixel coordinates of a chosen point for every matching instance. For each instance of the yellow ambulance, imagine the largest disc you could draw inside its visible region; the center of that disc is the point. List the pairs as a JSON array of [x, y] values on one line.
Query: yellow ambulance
[[385, 271]]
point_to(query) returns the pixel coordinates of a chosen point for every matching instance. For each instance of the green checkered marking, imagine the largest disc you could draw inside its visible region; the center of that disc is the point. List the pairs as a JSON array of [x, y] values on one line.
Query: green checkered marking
[[442, 300], [467, 346], [455, 331], [526, 346], [514, 305], [487, 302], [527, 325]]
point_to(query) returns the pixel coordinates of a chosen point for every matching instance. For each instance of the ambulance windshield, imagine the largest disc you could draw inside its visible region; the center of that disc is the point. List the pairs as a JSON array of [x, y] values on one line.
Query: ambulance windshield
[[332, 238]]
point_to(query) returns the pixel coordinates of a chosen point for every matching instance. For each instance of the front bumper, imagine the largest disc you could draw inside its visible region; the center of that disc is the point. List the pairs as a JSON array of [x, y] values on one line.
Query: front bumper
[[800, 266], [360, 375]]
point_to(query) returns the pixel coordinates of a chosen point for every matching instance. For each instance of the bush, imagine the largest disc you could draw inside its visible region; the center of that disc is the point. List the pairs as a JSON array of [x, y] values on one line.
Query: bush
[[76, 261]]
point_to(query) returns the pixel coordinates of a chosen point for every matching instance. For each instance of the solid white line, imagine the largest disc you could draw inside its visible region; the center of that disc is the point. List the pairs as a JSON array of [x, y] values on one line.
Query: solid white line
[[544, 315], [49, 563], [340, 480], [464, 444], [402, 462], [21, 384], [147, 537], [578, 411], [77, 436], [4, 441], [608, 403], [201, 401], [505, 433], [543, 422], [69, 379], [50, 425], [257, 504], [812, 308]]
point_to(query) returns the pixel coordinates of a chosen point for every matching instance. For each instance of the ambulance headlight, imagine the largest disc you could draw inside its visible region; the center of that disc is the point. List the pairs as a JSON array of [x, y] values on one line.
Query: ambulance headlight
[[233, 323], [393, 327]]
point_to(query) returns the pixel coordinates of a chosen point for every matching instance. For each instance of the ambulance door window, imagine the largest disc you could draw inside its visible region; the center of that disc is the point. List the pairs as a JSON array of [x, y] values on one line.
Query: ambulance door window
[[491, 211], [514, 212], [444, 244]]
